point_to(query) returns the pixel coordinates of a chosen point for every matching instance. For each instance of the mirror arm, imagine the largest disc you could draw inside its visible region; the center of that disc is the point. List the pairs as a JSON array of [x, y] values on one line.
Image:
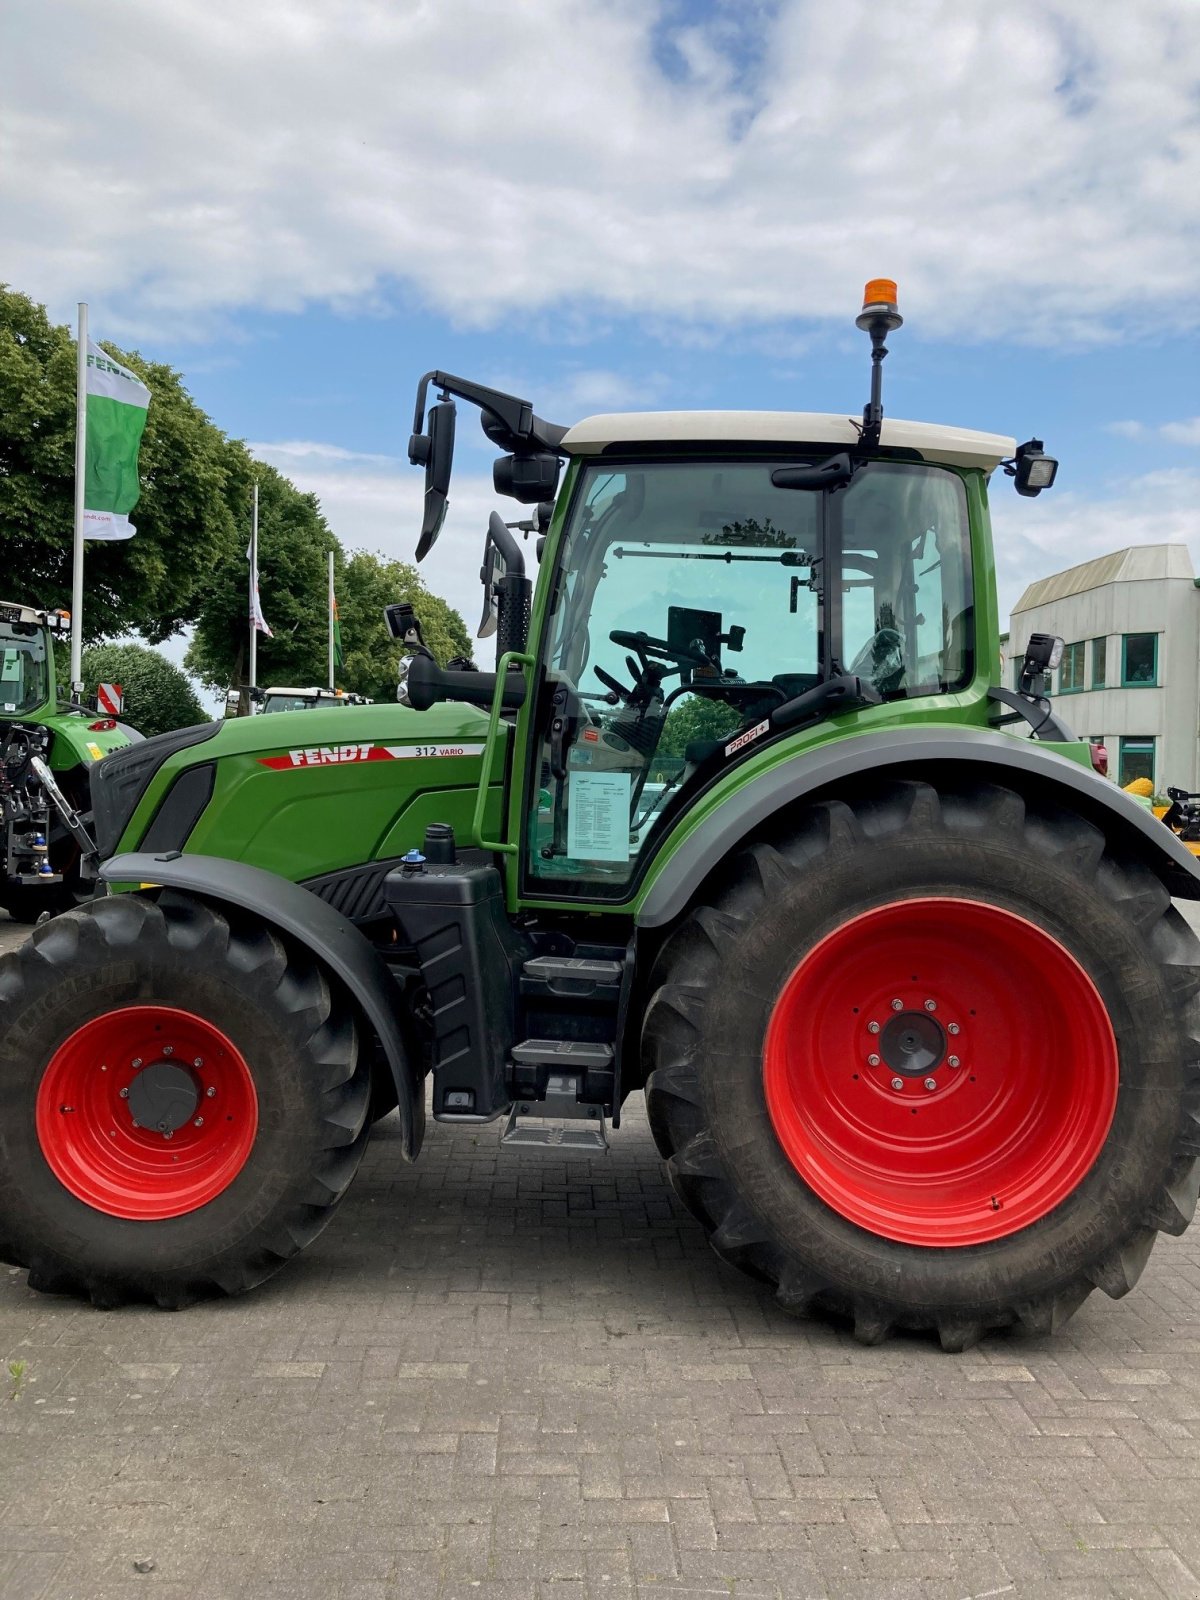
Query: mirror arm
[[515, 415]]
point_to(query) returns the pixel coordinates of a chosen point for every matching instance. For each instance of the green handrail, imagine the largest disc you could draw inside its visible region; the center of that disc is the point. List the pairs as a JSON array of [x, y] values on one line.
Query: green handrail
[[525, 662]]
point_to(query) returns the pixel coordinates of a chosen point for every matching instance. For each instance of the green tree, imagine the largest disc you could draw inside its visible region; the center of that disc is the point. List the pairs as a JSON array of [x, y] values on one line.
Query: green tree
[[696, 718], [191, 477], [369, 582], [158, 697]]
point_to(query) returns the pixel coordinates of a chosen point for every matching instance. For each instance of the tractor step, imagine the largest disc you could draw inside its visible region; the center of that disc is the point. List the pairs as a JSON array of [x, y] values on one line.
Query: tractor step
[[571, 1054], [569, 1072], [528, 1129], [576, 977]]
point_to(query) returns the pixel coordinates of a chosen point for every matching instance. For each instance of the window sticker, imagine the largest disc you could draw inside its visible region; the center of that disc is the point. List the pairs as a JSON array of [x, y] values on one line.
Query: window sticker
[[598, 818]]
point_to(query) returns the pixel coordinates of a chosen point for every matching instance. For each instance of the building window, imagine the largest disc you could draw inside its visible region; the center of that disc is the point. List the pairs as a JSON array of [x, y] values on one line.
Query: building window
[[1139, 665], [1099, 662], [1070, 675], [1137, 759]]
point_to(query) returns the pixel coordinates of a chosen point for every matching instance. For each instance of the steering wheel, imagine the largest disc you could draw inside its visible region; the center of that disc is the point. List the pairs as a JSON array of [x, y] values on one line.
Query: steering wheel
[[642, 644]]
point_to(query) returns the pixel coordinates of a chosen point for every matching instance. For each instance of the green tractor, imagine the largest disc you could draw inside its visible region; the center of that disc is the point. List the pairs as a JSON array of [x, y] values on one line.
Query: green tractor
[[744, 818], [47, 750]]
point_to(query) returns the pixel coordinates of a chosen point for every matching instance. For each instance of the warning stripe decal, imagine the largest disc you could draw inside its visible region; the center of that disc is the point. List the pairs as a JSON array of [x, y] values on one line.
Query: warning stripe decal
[[336, 755]]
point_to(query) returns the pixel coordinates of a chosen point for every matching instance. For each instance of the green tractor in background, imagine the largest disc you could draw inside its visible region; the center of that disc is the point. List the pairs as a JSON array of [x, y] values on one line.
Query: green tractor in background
[[898, 972], [47, 749]]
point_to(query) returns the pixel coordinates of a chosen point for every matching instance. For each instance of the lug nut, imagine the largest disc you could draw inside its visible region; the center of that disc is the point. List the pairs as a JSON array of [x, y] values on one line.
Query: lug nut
[[136, 1062], [931, 1005], [210, 1093], [169, 1134], [953, 1061], [931, 1083], [952, 1027], [124, 1094], [897, 1084], [897, 1005], [198, 1062], [872, 1061], [198, 1123], [872, 1027], [168, 1049]]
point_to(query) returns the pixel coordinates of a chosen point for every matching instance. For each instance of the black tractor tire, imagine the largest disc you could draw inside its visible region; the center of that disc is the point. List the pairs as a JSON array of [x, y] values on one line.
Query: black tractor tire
[[721, 976], [109, 968]]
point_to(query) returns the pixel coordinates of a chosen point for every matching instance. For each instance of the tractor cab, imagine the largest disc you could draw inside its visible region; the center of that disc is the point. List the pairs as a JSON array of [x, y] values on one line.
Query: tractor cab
[[710, 583], [287, 699], [27, 659]]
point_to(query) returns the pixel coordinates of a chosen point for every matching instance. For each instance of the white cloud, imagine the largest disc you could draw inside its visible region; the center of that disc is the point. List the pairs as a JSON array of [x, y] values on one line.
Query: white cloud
[[1057, 530], [1187, 432], [1031, 170], [295, 451], [1127, 430]]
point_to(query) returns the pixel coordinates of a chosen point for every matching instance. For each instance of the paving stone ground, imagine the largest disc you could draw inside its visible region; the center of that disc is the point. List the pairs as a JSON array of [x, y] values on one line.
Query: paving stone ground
[[510, 1378]]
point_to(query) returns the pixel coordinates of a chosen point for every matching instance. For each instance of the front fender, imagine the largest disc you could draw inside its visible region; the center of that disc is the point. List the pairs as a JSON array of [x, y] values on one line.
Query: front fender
[[300, 915], [913, 752]]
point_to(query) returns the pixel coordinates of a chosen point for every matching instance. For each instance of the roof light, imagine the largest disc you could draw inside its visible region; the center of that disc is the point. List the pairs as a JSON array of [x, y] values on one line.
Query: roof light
[[880, 302]]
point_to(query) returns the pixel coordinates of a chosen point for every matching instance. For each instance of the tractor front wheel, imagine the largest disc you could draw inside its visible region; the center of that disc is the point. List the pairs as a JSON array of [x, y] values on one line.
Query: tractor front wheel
[[182, 1103], [929, 1060]]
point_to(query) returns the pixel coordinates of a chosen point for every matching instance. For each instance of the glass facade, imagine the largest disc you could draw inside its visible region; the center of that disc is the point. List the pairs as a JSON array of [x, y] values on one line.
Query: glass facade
[[1137, 759], [1139, 660], [1099, 662], [1070, 675]]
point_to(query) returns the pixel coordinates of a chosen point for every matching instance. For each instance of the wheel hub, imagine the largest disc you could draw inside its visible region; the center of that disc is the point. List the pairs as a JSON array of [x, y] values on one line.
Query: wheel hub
[[163, 1096], [905, 1071], [912, 1043], [147, 1112]]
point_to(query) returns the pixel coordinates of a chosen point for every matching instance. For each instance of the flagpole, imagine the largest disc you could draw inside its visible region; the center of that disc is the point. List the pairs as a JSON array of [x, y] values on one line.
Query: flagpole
[[330, 610], [254, 594], [80, 471]]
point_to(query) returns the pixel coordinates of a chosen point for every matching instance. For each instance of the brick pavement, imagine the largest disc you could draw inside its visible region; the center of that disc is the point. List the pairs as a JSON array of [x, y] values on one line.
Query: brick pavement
[[503, 1378]]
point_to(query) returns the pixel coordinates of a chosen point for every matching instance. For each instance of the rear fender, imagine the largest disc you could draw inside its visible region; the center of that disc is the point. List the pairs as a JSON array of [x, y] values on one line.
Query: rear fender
[[298, 914], [1021, 764]]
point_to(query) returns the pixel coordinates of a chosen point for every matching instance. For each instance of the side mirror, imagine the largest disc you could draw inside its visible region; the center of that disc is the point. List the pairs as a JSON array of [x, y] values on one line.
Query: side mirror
[[490, 574], [435, 451], [831, 474], [528, 478]]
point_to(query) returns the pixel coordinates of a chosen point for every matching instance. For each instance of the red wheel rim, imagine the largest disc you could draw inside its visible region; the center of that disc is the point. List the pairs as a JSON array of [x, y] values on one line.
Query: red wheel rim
[[940, 1072], [159, 1063]]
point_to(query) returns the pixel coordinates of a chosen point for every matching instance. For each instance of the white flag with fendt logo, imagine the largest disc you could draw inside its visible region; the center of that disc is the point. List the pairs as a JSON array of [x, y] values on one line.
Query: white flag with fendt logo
[[117, 401]]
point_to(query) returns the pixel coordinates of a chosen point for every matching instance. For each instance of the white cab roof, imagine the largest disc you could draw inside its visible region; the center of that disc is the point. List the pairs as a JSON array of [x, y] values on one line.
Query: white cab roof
[[957, 447]]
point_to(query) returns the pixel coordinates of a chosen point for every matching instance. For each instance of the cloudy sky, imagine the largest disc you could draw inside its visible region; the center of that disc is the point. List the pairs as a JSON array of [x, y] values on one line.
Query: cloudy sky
[[607, 204]]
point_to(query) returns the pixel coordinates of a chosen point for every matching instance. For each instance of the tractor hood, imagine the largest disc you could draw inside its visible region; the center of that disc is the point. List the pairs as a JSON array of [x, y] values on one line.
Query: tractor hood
[[308, 793]]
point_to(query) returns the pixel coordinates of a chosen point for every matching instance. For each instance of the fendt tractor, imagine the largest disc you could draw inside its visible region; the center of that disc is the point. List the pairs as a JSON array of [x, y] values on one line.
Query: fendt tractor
[[47, 749], [744, 818]]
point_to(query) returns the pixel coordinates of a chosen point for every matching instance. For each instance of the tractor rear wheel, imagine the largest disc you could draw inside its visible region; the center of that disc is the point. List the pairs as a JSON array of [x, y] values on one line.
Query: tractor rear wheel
[[182, 1103], [929, 1059]]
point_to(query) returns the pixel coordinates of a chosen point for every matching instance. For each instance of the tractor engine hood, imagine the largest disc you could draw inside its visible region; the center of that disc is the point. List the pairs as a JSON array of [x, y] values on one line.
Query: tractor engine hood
[[299, 794]]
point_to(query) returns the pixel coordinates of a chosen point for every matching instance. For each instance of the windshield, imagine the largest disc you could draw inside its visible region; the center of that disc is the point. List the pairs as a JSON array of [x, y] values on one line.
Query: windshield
[[290, 702], [694, 598], [24, 676]]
